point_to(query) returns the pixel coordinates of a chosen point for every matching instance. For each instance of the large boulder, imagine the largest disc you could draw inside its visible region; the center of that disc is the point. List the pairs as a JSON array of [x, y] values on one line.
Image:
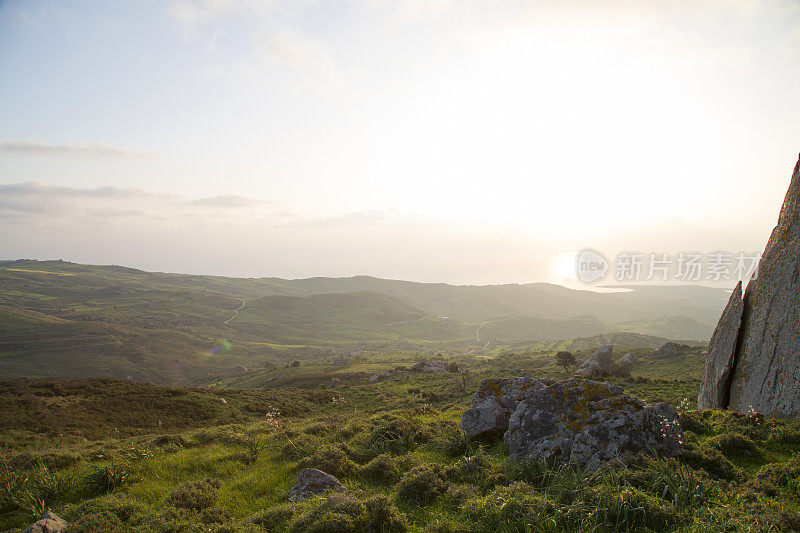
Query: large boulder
[[50, 523], [494, 402], [764, 358], [312, 481], [599, 364], [718, 362], [587, 423]]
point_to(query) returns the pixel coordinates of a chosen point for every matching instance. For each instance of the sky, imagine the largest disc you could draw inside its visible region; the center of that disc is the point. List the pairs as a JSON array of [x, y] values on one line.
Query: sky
[[430, 140]]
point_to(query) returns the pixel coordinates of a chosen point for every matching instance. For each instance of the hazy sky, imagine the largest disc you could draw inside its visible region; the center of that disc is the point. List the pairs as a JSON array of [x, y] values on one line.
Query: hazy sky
[[462, 141]]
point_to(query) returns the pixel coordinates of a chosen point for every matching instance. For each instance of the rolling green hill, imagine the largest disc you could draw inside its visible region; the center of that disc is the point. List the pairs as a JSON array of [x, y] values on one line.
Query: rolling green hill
[[60, 319]]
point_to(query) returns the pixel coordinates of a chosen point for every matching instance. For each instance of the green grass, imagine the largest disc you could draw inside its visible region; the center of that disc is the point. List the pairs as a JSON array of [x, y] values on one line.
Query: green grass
[[395, 445]]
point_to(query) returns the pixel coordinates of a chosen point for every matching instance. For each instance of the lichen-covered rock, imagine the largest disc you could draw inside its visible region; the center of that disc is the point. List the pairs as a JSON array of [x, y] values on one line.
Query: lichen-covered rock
[[494, 402], [312, 481], [720, 356], [50, 523], [587, 423], [599, 364]]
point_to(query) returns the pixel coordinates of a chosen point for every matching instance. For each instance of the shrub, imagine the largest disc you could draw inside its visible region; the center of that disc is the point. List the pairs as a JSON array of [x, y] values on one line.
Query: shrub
[[299, 446], [459, 494], [457, 442], [423, 483], [101, 480], [164, 441], [338, 513], [195, 495], [382, 468], [253, 446], [710, 460], [216, 515], [393, 434], [275, 518], [90, 514], [733, 444], [320, 428], [332, 460], [628, 508], [476, 469], [782, 474], [513, 508]]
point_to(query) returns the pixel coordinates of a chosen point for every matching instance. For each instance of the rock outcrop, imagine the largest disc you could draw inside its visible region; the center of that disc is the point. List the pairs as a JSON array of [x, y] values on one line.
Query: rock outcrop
[[765, 366], [312, 481], [493, 404], [599, 364], [50, 523], [669, 349], [587, 423], [572, 421], [719, 358]]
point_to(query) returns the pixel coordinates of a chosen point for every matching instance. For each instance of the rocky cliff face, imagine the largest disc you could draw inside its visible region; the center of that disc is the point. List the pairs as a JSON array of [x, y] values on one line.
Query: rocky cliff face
[[753, 360]]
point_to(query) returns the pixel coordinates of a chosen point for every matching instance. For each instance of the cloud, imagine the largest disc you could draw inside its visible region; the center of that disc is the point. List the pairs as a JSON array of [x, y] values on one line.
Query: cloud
[[226, 200], [81, 149], [274, 30], [372, 218], [294, 51], [35, 201]]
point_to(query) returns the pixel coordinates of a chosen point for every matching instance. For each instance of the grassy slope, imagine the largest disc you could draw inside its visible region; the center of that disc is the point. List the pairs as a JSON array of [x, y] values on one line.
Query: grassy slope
[[739, 472]]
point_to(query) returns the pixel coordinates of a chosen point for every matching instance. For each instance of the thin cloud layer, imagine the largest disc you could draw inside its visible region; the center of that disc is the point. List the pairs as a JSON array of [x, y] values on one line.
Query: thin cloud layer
[[81, 149]]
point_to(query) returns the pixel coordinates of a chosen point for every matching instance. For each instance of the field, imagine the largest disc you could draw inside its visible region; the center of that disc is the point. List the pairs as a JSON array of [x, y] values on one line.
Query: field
[[109, 455]]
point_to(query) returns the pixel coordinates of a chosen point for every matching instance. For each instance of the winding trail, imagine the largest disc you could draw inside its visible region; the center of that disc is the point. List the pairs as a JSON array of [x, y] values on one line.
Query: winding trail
[[477, 332], [236, 311]]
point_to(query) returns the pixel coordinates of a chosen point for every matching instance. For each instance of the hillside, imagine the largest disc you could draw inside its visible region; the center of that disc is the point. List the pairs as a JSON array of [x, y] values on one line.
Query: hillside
[[61, 319]]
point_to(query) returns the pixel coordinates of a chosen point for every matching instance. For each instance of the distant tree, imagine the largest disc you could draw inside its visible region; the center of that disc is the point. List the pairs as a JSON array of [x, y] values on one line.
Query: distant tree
[[464, 380], [565, 359], [295, 363]]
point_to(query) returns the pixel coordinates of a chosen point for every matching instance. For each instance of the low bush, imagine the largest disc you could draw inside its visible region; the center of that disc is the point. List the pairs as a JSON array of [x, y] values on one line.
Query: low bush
[[733, 443], [195, 495], [424, 483], [339, 513], [382, 468], [332, 460]]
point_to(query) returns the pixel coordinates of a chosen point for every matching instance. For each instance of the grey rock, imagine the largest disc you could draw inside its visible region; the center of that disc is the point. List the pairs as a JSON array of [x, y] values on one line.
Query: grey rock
[[312, 481], [627, 360], [587, 423], [50, 523], [766, 376], [599, 363], [669, 349], [494, 402], [720, 356]]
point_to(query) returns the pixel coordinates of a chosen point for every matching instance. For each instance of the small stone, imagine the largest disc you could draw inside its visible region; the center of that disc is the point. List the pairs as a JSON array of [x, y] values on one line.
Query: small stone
[[50, 523], [312, 481]]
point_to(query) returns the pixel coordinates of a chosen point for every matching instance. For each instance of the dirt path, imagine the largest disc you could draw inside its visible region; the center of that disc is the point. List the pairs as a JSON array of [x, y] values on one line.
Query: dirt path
[[236, 311]]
